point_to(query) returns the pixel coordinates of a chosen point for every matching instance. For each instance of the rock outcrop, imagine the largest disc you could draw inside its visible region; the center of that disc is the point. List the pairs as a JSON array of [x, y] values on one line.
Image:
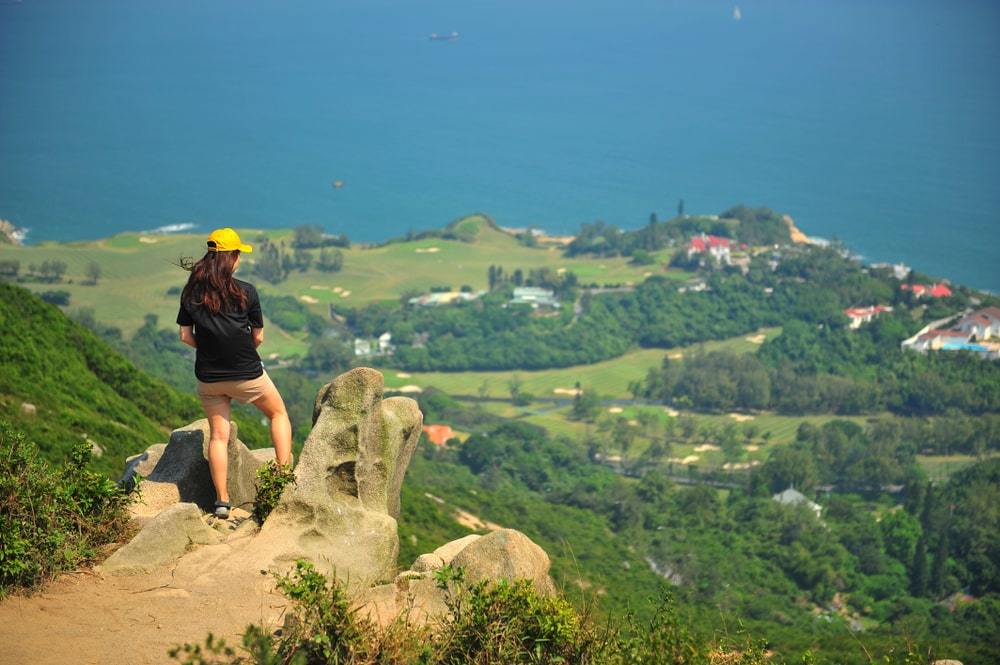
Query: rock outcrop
[[341, 511], [178, 472], [504, 554], [164, 538]]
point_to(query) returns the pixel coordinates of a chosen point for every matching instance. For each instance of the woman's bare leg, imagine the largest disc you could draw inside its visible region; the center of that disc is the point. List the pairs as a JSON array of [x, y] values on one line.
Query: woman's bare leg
[[218, 447], [272, 406]]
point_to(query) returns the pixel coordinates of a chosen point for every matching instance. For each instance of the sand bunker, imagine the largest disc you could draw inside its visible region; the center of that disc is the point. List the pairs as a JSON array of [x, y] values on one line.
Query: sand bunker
[[738, 466], [740, 417], [705, 447], [633, 422], [690, 459], [752, 449], [344, 294], [673, 413], [338, 289], [675, 356], [433, 498], [274, 356], [319, 287], [427, 250], [309, 300], [647, 274], [756, 339], [560, 271], [409, 388], [572, 392], [615, 409], [148, 240], [403, 375]]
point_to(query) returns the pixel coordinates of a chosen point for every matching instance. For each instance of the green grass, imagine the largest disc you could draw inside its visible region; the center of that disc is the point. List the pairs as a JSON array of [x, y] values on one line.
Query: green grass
[[609, 378], [940, 468], [138, 269]]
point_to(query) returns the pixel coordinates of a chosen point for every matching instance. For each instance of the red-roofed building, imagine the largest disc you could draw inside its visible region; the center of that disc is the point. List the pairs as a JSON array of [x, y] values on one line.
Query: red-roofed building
[[438, 434], [861, 315], [982, 324], [938, 290], [715, 246]]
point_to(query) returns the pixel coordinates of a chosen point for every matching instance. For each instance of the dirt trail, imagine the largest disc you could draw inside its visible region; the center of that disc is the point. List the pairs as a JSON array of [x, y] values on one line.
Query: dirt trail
[[86, 617]]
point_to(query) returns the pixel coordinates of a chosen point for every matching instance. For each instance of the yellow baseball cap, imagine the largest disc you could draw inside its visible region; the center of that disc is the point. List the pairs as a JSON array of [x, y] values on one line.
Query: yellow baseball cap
[[226, 240]]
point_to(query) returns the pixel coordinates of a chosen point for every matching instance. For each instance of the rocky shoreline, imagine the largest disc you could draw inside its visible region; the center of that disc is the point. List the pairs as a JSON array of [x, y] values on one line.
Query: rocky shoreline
[[10, 234]]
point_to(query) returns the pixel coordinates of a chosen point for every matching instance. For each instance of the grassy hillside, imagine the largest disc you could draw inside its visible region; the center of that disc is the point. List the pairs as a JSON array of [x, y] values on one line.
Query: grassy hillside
[[81, 388], [137, 270]]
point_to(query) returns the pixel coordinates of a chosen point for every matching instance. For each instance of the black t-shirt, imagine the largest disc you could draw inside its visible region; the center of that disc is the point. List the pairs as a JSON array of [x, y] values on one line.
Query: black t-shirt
[[225, 344]]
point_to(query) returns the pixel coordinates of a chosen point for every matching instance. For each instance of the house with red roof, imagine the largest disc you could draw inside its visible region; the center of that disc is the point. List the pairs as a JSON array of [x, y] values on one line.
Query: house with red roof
[[439, 434], [936, 290], [862, 315], [714, 246]]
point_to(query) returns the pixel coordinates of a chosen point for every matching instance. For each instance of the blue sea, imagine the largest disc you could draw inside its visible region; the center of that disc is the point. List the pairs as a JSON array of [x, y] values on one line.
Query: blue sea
[[873, 121]]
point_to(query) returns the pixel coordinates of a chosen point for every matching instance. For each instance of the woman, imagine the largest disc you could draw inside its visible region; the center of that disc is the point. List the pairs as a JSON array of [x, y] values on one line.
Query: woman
[[220, 317]]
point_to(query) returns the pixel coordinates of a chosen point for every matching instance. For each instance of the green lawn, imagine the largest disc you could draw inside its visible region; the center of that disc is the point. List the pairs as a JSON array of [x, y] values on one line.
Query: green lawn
[[138, 269], [609, 378], [941, 467]]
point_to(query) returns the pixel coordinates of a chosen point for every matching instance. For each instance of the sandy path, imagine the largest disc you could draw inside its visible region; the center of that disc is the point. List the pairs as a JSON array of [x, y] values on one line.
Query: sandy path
[[89, 618]]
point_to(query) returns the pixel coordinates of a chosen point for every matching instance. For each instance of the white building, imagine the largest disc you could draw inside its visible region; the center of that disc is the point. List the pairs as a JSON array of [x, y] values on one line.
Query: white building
[[792, 497]]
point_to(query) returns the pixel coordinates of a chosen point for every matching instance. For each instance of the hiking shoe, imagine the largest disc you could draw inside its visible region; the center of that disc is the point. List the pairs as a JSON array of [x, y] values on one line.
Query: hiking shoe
[[222, 509]]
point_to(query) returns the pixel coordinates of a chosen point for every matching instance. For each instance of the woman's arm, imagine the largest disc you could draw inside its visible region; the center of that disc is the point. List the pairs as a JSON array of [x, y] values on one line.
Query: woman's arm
[[187, 336], [258, 336]]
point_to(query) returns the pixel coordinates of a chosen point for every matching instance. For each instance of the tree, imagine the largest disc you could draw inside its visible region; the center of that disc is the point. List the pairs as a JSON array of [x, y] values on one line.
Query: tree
[[680, 208], [52, 271], [586, 404], [918, 571], [302, 259], [307, 236], [328, 355], [10, 268], [623, 435], [93, 272], [330, 260]]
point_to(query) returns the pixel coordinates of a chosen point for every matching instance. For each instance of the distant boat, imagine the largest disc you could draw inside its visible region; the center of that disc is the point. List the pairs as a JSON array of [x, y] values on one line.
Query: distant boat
[[337, 184], [450, 37], [737, 14]]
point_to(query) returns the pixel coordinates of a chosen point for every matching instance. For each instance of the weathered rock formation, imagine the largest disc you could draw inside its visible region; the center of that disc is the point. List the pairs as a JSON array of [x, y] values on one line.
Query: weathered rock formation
[[164, 539], [341, 512], [504, 554], [178, 472]]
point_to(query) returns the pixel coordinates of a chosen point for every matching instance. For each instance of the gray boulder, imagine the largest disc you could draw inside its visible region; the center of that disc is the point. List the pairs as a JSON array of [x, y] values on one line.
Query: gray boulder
[[162, 540], [341, 512], [505, 554], [443, 555], [184, 464]]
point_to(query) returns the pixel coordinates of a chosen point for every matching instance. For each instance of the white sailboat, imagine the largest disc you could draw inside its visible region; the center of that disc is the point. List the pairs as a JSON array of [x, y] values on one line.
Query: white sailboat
[[737, 14]]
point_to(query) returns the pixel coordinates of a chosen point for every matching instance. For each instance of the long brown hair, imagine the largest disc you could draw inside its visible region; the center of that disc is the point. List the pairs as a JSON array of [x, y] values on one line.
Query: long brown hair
[[211, 283]]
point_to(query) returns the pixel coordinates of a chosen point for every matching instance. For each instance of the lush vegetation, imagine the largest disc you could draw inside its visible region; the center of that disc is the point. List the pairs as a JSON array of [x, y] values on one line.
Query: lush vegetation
[[60, 384], [804, 582], [272, 479], [487, 622], [54, 518], [753, 226]]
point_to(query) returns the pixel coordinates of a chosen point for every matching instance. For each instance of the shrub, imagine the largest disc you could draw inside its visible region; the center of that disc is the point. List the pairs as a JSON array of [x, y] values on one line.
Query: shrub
[[53, 519], [271, 481], [55, 297]]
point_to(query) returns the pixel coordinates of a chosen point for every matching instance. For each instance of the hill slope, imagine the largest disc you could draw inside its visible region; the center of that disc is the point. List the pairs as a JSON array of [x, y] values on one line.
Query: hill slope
[[82, 388]]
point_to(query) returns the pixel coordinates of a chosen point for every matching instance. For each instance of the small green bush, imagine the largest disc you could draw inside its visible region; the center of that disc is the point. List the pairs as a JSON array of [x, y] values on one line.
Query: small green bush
[[52, 519], [271, 481]]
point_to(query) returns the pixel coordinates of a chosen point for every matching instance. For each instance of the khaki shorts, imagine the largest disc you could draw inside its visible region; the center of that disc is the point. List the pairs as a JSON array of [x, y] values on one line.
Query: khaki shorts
[[246, 391]]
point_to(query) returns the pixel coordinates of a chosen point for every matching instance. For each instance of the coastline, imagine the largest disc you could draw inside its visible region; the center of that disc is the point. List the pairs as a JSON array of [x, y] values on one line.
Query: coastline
[[12, 235]]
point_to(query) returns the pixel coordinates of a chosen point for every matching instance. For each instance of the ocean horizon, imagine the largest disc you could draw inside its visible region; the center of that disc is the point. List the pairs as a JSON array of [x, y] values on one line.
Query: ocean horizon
[[872, 123]]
